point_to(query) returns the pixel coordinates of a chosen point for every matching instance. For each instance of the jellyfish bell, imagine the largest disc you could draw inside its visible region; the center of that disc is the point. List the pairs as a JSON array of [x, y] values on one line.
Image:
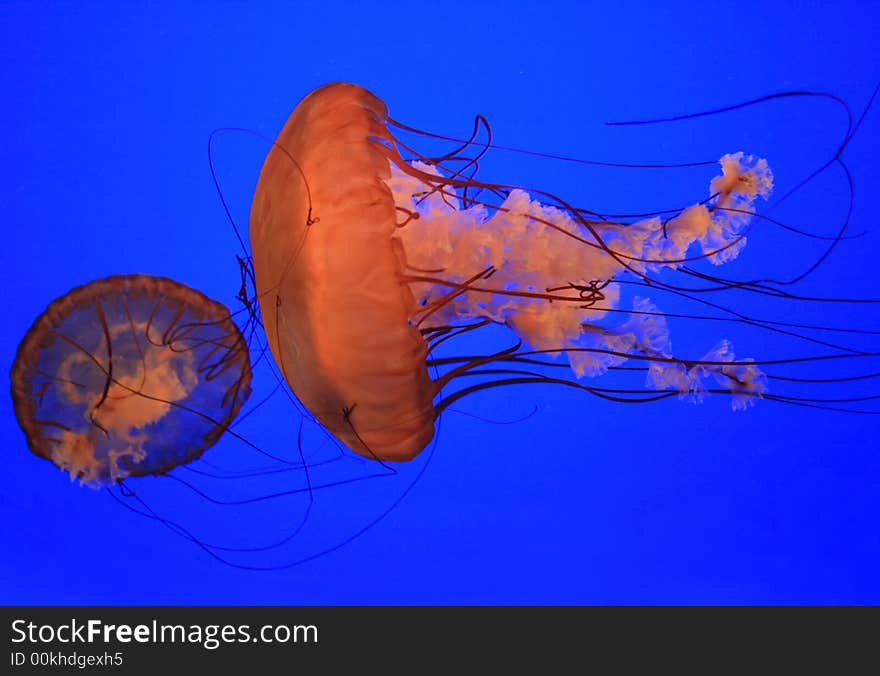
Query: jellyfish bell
[[128, 376], [365, 260], [334, 311]]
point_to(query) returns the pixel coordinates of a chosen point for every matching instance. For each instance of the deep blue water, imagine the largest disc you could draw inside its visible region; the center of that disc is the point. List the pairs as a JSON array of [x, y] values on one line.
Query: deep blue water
[[107, 109]]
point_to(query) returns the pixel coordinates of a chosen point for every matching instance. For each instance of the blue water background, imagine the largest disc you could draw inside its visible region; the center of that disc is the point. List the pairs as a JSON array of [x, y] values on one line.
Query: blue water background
[[106, 111]]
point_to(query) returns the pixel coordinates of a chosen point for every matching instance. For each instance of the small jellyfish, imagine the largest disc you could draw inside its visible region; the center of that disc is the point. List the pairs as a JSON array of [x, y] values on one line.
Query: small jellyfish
[[128, 376]]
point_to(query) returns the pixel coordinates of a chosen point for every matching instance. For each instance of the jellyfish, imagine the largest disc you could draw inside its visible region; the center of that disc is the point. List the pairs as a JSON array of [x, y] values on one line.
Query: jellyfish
[[366, 260], [128, 376]]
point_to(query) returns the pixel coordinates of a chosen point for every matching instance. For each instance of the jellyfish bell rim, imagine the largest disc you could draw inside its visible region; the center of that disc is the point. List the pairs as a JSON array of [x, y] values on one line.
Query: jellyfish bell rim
[[78, 298]]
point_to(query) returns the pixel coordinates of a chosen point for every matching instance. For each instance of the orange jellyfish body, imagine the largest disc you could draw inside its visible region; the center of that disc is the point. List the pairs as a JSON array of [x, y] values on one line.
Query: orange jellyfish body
[[362, 259], [127, 376], [327, 273]]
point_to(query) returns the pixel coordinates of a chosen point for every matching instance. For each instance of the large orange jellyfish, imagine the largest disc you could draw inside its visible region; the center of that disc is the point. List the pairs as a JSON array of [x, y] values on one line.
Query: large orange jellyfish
[[365, 261], [127, 376]]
